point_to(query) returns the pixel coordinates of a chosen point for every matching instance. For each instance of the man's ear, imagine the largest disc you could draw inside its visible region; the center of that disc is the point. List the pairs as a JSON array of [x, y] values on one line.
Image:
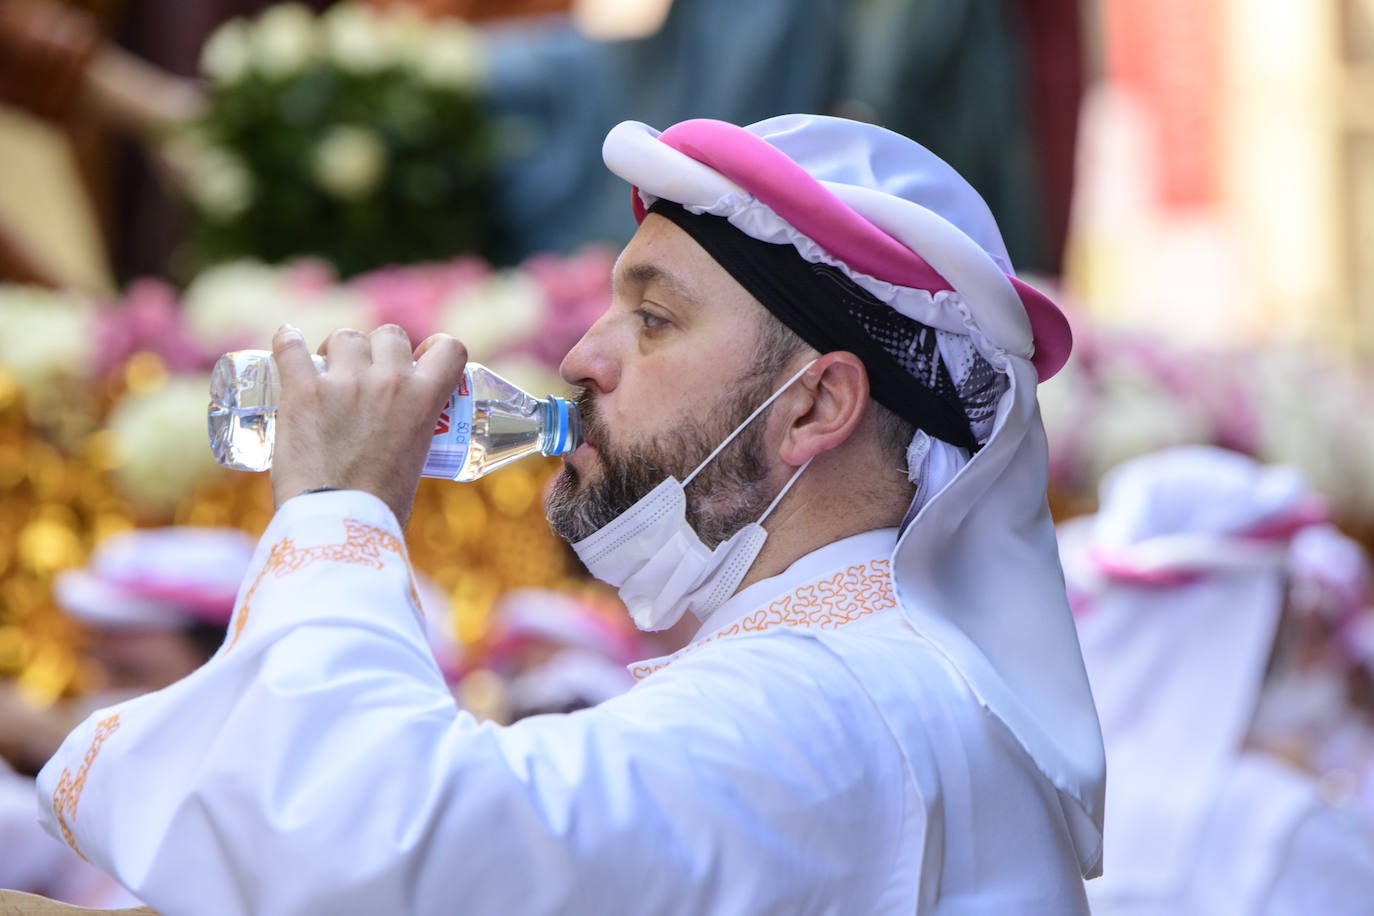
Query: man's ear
[[833, 395]]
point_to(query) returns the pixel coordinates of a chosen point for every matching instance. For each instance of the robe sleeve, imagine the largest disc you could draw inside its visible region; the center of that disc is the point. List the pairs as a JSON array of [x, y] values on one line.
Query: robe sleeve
[[318, 764]]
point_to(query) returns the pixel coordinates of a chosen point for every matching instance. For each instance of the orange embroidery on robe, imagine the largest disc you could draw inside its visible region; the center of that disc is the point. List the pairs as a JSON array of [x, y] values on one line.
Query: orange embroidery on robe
[[67, 795], [824, 604], [363, 544]]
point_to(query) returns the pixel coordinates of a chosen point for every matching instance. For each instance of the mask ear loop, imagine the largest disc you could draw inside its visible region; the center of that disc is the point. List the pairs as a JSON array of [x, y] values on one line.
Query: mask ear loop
[[750, 419], [783, 492]]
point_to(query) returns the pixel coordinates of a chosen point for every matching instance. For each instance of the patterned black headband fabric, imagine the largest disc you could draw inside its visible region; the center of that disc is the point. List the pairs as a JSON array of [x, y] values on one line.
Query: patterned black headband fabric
[[831, 312]]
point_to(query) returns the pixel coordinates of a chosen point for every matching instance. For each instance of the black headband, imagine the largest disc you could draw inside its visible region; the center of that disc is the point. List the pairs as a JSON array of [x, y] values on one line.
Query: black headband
[[830, 311]]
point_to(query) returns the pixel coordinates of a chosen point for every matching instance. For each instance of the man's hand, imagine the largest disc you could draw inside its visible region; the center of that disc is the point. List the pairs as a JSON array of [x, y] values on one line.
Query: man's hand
[[366, 422]]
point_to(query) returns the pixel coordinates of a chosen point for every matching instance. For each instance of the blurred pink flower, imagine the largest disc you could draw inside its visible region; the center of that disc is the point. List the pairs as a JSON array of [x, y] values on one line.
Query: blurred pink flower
[[308, 277], [577, 289], [148, 319], [411, 295]]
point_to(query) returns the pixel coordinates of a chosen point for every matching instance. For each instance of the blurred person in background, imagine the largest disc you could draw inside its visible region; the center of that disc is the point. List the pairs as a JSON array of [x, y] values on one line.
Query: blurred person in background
[[811, 424], [559, 75], [550, 652], [992, 88], [154, 604], [1316, 708], [555, 88], [1205, 589], [81, 117]]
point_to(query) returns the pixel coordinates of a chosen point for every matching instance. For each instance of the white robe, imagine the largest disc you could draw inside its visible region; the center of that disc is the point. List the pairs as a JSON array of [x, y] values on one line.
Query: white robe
[[33, 862], [1268, 844], [809, 754]]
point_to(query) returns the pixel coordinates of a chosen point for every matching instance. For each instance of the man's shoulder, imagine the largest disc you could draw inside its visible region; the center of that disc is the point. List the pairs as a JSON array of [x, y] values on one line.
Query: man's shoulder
[[879, 662]]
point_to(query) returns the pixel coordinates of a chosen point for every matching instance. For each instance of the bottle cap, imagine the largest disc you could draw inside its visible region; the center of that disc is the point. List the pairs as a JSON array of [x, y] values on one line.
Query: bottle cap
[[567, 426]]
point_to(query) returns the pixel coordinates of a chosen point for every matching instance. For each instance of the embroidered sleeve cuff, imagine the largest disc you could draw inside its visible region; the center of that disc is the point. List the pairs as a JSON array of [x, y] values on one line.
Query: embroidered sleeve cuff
[[333, 557]]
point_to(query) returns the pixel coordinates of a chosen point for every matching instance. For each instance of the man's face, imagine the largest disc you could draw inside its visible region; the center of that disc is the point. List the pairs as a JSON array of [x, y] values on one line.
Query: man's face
[[668, 372], [140, 659]]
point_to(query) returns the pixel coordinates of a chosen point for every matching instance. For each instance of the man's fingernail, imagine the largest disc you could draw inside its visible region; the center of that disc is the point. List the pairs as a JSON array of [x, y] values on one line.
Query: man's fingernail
[[288, 330]]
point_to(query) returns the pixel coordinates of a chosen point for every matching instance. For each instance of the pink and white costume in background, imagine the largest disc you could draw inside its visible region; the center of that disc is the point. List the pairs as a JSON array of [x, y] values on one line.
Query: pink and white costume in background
[[899, 723], [1178, 585]]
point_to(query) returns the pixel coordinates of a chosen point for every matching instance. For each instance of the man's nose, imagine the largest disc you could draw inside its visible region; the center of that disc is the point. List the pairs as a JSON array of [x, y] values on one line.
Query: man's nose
[[590, 363]]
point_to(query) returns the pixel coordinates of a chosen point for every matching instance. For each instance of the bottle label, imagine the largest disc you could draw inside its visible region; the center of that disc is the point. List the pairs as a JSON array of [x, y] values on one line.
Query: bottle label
[[448, 449]]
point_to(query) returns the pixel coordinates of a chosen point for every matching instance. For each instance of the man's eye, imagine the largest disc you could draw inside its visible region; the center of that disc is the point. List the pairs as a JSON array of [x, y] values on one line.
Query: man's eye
[[650, 320]]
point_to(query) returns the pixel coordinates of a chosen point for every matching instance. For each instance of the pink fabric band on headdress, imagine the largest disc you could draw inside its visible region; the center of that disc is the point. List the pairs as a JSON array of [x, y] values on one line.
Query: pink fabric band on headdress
[[203, 602], [789, 191], [797, 197], [1122, 567]]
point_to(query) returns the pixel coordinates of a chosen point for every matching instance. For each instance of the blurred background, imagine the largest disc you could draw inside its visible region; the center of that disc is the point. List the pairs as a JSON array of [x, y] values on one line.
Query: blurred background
[[1192, 179]]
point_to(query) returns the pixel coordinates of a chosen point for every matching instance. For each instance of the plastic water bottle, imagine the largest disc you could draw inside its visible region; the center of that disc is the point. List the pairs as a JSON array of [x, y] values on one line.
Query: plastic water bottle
[[487, 422]]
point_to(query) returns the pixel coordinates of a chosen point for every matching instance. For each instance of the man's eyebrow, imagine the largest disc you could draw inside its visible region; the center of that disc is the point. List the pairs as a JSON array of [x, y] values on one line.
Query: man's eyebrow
[[643, 274]]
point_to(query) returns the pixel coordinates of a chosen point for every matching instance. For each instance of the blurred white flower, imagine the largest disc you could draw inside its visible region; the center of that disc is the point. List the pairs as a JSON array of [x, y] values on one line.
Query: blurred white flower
[[1063, 401], [1304, 420], [501, 312], [160, 442], [451, 56], [1136, 415], [285, 39], [320, 315], [349, 162], [352, 40], [225, 58], [241, 305], [1361, 459], [49, 338], [401, 31], [230, 305], [217, 180]]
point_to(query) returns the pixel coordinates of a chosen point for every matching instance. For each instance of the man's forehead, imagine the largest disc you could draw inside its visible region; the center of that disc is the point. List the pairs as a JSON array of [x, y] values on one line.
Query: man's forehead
[[662, 255], [639, 273]]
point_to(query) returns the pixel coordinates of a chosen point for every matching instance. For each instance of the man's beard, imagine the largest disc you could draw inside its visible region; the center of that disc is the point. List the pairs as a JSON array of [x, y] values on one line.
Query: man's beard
[[728, 494]]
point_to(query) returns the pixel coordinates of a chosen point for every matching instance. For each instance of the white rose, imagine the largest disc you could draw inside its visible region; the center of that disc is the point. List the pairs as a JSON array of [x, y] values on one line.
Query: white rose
[[452, 56], [234, 304], [323, 313], [1362, 459], [500, 312], [48, 339], [284, 40], [1062, 403], [401, 32], [220, 184], [161, 444], [242, 304], [349, 161], [1135, 415], [351, 39], [226, 56], [1306, 432]]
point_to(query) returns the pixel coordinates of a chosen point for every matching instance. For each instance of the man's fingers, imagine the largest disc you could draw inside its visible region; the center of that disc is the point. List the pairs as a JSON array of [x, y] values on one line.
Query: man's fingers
[[346, 350], [292, 357], [391, 348], [441, 359]]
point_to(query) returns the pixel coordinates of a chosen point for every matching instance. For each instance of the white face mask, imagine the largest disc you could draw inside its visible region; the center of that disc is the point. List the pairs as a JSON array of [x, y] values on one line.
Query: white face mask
[[654, 557]]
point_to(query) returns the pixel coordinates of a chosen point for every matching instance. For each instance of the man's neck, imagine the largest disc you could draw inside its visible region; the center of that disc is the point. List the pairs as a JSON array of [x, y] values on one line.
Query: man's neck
[[821, 514]]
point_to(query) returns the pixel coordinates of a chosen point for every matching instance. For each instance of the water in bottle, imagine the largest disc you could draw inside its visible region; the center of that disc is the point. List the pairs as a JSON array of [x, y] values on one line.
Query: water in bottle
[[487, 422]]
